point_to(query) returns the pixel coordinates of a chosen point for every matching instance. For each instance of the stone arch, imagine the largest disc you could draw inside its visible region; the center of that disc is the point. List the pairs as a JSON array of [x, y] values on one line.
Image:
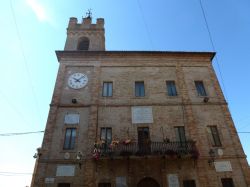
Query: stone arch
[[83, 44], [148, 182]]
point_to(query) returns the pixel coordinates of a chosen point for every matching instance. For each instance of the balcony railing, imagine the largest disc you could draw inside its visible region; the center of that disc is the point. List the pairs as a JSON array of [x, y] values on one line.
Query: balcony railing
[[171, 149]]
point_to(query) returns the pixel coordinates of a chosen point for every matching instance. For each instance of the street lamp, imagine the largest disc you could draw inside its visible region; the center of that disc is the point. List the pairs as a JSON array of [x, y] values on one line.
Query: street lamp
[[212, 156], [79, 158]]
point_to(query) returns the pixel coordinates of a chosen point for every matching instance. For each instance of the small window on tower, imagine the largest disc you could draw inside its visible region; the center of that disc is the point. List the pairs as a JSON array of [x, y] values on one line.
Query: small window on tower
[[83, 44]]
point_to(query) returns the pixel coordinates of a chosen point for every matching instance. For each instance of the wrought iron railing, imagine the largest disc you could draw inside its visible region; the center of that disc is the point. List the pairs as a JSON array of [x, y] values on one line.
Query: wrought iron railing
[[171, 149]]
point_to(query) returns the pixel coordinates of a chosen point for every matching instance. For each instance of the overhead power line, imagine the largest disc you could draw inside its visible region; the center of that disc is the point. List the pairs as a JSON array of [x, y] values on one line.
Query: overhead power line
[[11, 105], [25, 59], [20, 133], [13, 173], [213, 46], [243, 132], [244, 126], [145, 24]]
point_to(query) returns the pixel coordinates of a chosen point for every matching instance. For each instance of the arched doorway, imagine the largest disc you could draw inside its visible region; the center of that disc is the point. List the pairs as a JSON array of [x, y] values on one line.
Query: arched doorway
[[148, 182]]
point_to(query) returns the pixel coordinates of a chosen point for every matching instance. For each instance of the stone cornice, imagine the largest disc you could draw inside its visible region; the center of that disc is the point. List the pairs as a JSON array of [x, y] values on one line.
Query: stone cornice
[[144, 54]]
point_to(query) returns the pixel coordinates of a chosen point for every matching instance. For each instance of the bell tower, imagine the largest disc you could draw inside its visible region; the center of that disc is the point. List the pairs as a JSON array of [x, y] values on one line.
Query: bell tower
[[85, 36]]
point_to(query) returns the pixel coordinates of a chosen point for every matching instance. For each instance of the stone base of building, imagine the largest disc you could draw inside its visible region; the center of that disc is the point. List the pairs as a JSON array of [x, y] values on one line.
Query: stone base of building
[[143, 172]]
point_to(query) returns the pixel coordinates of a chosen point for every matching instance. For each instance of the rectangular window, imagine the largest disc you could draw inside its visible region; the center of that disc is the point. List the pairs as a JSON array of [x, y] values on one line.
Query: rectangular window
[[227, 182], [106, 135], [171, 88], [139, 89], [63, 185], [70, 138], [180, 134], [107, 89], [104, 185], [189, 183], [200, 88], [214, 135]]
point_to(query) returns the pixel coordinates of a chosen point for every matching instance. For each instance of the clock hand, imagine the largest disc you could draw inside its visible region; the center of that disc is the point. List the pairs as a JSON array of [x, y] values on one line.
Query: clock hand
[[81, 77], [77, 80]]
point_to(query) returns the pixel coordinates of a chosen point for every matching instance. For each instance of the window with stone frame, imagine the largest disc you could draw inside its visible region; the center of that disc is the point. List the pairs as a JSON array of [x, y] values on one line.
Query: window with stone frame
[[180, 134], [106, 135], [69, 139], [171, 88], [107, 89], [227, 182], [63, 185], [200, 88], [189, 183], [214, 135], [104, 184], [139, 89]]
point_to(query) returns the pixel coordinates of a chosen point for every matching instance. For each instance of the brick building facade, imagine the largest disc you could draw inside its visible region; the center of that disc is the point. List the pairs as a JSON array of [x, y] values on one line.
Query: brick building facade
[[136, 119]]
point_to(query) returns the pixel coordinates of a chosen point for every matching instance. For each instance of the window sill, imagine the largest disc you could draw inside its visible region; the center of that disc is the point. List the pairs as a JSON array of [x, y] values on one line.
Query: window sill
[[202, 96], [173, 97], [142, 97], [68, 151], [217, 146]]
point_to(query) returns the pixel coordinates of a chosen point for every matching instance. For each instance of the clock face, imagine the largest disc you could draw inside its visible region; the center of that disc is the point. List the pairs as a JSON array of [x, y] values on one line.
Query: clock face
[[77, 80]]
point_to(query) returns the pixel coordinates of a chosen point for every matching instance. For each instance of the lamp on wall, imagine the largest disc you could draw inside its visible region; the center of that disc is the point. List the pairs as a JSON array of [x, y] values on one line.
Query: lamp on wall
[[79, 156], [212, 156], [74, 101], [38, 153], [206, 99]]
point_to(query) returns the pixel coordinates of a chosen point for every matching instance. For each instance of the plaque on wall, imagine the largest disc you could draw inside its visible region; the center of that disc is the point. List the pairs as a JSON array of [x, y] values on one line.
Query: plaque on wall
[[142, 114], [222, 166], [121, 182], [173, 180], [65, 170], [72, 119], [49, 180]]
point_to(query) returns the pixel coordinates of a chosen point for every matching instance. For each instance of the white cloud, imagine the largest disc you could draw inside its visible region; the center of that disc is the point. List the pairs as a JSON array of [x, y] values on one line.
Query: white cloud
[[39, 10]]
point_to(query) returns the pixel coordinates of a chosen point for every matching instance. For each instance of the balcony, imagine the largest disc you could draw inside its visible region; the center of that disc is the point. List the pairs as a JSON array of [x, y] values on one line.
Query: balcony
[[169, 149]]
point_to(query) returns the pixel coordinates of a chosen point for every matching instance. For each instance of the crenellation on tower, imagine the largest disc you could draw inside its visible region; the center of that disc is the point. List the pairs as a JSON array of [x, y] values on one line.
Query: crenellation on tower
[[86, 35], [72, 22], [86, 21]]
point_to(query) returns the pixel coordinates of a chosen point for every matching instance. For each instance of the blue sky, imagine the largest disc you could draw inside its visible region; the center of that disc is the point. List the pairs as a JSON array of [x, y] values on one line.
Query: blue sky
[[31, 30]]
